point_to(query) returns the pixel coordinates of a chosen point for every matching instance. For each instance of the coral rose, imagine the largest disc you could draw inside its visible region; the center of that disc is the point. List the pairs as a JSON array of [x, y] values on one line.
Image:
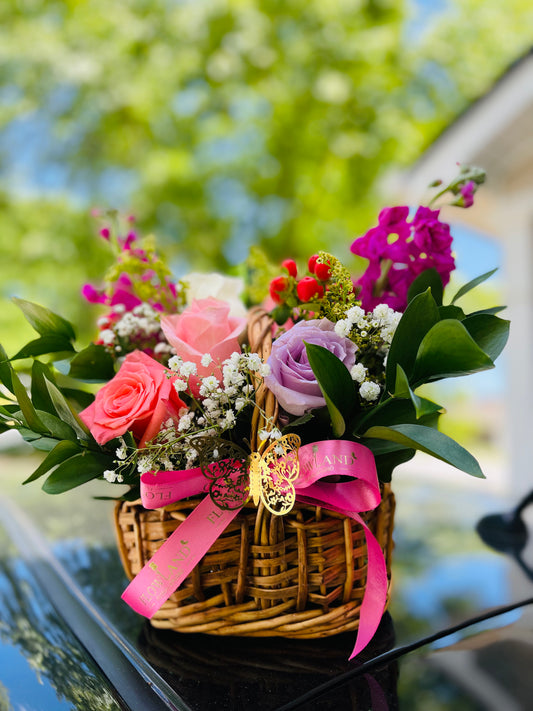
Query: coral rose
[[139, 398]]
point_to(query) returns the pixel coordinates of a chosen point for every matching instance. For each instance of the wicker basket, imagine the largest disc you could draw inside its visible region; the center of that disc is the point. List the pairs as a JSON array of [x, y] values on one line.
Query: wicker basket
[[302, 575]]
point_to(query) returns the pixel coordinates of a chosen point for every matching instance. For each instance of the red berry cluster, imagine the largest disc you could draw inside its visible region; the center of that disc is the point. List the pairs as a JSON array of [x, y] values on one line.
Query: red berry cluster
[[307, 288]]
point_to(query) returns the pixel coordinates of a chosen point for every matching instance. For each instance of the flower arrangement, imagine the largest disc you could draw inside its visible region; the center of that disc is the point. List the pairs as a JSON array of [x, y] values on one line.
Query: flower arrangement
[[182, 388]]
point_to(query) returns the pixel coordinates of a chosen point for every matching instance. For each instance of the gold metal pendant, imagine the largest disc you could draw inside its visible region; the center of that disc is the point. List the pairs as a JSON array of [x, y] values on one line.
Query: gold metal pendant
[[272, 475]]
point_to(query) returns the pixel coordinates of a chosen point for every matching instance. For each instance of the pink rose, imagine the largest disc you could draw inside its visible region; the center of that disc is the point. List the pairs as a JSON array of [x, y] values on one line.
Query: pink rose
[[204, 327], [139, 398]]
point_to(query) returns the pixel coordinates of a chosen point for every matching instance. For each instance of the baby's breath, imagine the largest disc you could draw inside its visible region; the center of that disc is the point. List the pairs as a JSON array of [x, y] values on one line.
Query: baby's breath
[[222, 398]]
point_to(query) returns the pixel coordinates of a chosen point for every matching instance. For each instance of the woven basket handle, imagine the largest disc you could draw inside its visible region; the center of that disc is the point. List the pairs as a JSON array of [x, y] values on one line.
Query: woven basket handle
[[260, 340]]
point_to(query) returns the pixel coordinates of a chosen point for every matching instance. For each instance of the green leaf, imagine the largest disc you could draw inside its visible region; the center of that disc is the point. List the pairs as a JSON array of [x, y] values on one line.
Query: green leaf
[[29, 435], [489, 332], [395, 411], [56, 427], [494, 310], [93, 363], [66, 413], [26, 406], [132, 495], [432, 442], [386, 463], [49, 343], [281, 313], [472, 284], [448, 351], [43, 444], [335, 383], [419, 317], [5, 371], [381, 447], [39, 392], [451, 311], [77, 470], [8, 413], [61, 452], [304, 419], [44, 321], [80, 397], [423, 407], [429, 278]]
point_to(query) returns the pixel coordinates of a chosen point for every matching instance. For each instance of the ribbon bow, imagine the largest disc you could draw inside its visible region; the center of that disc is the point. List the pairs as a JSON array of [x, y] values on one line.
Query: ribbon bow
[[358, 491]]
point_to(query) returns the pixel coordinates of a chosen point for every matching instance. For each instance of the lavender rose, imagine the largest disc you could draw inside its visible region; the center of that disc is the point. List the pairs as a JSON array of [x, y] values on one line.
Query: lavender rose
[[291, 378]]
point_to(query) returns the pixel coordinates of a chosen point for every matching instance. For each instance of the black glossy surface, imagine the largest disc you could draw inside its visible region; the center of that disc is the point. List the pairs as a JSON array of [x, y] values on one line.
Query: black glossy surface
[[444, 574], [42, 665]]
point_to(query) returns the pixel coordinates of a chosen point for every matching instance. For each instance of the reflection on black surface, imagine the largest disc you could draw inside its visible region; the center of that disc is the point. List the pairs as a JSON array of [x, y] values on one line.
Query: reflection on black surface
[[41, 664], [98, 571], [443, 575], [265, 673]]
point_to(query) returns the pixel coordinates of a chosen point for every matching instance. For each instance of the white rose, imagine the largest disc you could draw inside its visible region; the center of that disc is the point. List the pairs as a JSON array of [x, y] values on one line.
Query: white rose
[[224, 288]]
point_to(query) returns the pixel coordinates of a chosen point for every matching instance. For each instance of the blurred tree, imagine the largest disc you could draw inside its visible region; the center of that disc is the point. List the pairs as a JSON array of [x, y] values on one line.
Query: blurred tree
[[221, 123]]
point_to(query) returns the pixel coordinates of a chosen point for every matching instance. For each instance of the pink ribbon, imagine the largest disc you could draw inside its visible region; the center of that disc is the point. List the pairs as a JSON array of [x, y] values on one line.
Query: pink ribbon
[[357, 491]]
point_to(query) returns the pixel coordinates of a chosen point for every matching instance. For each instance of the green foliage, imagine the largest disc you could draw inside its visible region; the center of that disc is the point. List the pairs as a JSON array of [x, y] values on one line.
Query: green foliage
[[419, 317], [431, 342], [430, 441], [92, 364], [336, 385], [47, 416]]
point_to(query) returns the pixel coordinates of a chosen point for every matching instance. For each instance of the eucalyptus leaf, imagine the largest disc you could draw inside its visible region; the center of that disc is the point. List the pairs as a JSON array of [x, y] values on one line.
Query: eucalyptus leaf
[[429, 278], [132, 495], [5, 370], [28, 435], [44, 321], [92, 364], [81, 397], [26, 405], [49, 343], [76, 470], [66, 413], [8, 413], [39, 392], [41, 443], [472, 284], [448, 351], [489, 332], [419, 317], [61, 452], [56, 427], [432, 442]]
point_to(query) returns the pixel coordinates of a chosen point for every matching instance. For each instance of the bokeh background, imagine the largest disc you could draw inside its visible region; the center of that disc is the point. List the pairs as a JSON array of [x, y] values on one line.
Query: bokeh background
[[283, 124]]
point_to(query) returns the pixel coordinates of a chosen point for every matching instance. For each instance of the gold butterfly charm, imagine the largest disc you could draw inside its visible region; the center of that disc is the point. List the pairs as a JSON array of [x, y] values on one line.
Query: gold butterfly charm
[[224, 464], [273, 473]]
